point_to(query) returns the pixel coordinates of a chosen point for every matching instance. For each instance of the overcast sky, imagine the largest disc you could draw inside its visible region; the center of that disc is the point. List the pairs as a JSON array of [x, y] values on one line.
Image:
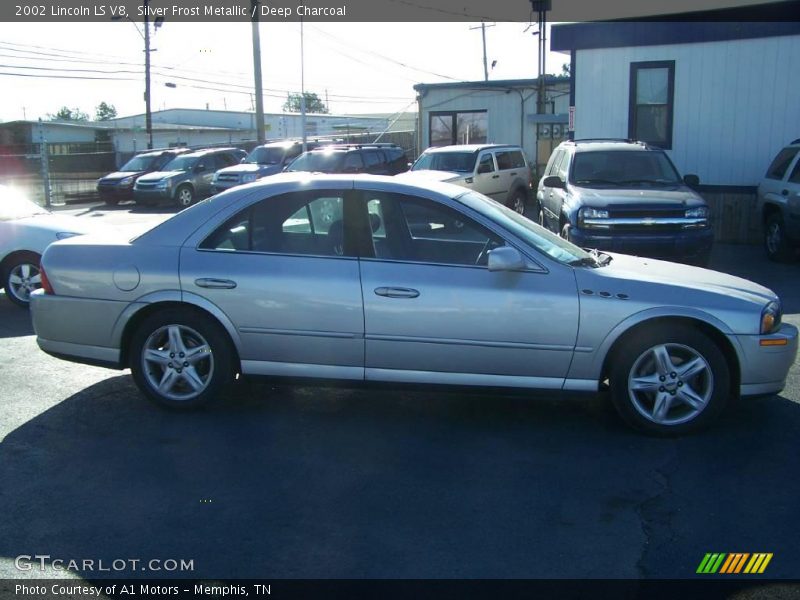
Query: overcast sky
[[363, 67]]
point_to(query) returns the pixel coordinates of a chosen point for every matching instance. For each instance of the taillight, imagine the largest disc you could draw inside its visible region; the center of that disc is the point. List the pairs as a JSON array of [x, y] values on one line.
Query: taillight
[[48, 289]]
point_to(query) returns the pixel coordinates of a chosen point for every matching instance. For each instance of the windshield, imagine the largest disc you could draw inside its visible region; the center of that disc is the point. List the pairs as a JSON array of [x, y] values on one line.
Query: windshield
[[457, 160], [139, 163], [534, 234], [14, 205], [266, 156], [321, 162], [181, 163], [623, 167]]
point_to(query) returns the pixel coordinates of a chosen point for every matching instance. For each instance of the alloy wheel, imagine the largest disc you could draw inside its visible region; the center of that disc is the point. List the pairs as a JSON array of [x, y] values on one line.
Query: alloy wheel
[[23, 279], [670, 384], [177, 362]]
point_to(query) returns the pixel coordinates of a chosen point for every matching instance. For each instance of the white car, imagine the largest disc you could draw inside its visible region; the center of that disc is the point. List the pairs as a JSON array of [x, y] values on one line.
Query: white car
[[26, 229]]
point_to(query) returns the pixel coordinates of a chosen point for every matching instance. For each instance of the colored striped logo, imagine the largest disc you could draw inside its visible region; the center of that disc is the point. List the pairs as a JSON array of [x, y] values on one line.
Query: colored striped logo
[[737, 562]]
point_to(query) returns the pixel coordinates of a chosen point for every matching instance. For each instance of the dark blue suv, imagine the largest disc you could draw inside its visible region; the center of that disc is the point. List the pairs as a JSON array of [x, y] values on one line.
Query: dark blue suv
[[624, 196]]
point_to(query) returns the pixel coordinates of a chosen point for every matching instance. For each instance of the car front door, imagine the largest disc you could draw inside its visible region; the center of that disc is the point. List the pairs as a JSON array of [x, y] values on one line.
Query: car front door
[[282, 272], [433, 312]]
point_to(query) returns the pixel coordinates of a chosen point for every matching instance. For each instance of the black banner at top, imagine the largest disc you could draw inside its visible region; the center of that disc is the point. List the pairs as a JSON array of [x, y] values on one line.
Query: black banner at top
[[277, 11]]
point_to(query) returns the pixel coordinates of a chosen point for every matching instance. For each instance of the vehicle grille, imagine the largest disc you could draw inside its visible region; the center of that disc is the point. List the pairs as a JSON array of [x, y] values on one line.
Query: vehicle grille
[[645, 219], [228, 177], [146, 185]]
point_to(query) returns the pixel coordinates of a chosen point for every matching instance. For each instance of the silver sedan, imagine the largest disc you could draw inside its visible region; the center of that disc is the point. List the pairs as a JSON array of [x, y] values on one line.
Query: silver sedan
[[369, 278]]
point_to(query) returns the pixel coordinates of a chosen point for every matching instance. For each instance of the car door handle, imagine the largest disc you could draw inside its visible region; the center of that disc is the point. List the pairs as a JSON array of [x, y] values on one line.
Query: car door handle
[[785, 193], [396, 292], [215, 284], [513, 174], [495, 176]]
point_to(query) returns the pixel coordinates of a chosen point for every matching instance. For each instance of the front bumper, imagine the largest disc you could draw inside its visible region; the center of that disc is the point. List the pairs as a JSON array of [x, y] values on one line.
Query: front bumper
[[115, 192], [687, 244], [152, 195], [221, 186], [764, 368]]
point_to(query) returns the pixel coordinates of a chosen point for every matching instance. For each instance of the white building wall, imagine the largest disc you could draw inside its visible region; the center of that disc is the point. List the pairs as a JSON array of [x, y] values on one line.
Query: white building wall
[[736, 102]]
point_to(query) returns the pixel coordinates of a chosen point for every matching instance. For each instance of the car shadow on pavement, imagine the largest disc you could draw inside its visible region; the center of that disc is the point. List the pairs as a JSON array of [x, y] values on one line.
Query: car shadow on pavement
[[302, 482], [751, 262], [14, 321]]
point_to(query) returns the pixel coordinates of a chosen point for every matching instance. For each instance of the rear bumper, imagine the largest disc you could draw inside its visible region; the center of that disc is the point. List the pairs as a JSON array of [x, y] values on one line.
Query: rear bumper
[[764, 368], [684, 244]]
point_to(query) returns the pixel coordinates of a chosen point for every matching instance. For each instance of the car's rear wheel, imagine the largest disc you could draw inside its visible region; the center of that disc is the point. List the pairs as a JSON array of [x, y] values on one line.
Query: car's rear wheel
[[22, 277], [517, 202], [185, 195], [181, 359], [669, 380], [775, 241]]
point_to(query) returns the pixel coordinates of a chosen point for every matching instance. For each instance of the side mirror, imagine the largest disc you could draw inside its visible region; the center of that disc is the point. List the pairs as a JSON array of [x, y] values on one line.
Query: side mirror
[[554, 181], [243, 161], [200, 168], [505, 258], [691, 180]]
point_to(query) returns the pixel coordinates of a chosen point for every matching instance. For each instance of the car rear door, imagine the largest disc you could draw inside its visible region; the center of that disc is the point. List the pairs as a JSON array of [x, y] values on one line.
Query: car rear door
[[487, 179], [433, 311], [282, 271]]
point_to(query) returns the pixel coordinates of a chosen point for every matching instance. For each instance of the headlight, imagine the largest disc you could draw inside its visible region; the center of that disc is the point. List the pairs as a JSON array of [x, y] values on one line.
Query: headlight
[[701, 212], [127, 181], [771, 318], [62, 235], [249, 178], [591, 213], [164, 184]]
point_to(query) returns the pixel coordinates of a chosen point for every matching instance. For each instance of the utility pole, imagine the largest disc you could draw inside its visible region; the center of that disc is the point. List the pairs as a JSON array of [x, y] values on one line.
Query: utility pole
[[541, 7], [45, 158], [302, 87], [483, 35], [260, 136], [148, 117]]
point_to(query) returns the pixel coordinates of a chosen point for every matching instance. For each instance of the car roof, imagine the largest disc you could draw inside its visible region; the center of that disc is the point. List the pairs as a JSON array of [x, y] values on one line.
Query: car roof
[[470, 147], [592, 145], [207, 151]]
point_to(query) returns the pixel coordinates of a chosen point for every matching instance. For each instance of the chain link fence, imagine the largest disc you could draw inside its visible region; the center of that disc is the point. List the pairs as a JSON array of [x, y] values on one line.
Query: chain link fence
[[63, 173]]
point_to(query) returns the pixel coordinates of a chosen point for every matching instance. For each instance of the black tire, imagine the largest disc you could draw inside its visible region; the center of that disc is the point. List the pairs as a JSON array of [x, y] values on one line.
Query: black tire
[[564, 233], [184, 195], [213, 368], [776, 243], [639, 407], [540, 215], [18, 274], [517, 202]]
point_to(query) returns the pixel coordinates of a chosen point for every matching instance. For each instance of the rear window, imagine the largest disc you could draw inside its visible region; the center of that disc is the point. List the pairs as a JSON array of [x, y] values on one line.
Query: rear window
[[778, 167]]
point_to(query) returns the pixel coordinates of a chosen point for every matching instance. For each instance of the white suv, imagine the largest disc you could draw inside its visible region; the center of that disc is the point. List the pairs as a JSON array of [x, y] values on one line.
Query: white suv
[[498, 171]]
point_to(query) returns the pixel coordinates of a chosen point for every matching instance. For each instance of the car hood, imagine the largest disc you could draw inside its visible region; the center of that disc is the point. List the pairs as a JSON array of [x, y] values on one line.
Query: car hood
[[429, 175], [252, 168], [159, 175], [606, 197], [680, 277], [117, 175], [55, 223]]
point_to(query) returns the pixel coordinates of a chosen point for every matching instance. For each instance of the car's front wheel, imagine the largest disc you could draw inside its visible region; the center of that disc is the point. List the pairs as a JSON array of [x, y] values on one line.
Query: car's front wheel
[[21, 278], [775, 241], [181, 359], [669, 380]]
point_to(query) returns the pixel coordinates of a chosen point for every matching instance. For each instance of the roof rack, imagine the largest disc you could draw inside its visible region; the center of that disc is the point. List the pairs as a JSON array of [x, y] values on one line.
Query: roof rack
[[624, 140], [341, 145]]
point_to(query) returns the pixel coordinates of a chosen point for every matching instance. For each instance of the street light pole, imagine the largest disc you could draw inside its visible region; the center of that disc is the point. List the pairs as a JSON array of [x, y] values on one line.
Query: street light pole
[[260, 134], [148, 117]]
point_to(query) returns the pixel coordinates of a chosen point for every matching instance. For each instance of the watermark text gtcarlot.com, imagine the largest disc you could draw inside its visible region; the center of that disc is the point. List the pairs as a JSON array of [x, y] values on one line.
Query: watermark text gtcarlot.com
[[40, 562]]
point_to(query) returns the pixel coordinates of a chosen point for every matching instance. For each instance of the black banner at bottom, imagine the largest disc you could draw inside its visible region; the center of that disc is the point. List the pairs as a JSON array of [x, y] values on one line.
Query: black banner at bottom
[[384, 589]]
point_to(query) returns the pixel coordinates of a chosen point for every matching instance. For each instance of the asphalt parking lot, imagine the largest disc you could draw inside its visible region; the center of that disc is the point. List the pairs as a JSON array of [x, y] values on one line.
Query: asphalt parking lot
[[279, 481]]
